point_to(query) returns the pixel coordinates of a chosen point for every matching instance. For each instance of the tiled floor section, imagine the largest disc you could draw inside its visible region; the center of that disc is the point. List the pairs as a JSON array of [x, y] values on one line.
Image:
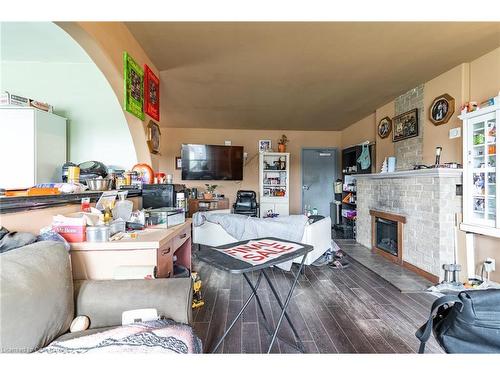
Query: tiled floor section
[[334, 311], [404, 280]]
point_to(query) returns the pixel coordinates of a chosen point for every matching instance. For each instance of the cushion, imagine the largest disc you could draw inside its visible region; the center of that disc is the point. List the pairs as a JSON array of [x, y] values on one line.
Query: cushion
[[36, 296]]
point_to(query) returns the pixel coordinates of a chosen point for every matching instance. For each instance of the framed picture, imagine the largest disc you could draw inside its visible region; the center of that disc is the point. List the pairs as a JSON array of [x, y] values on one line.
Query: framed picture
[[154, 135], [384, 127], [178, 162], [405, 125], [441, 110], [265, 145], [151, 94], [133, 77]]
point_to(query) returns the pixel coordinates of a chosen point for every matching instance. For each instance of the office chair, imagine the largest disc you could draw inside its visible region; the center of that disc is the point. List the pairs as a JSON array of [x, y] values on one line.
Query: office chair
[[246, 203]]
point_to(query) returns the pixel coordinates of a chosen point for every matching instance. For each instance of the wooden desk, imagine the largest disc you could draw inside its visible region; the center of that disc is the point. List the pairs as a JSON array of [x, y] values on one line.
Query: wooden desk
[[195, 205], [98, 260]]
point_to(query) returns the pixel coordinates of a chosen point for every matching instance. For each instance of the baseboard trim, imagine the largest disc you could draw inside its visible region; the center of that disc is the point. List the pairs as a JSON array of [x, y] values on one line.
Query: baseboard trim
[[429, 276]]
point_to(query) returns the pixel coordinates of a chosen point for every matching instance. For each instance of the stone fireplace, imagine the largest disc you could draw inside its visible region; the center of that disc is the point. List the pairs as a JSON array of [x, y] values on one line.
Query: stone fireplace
[[423, 203]]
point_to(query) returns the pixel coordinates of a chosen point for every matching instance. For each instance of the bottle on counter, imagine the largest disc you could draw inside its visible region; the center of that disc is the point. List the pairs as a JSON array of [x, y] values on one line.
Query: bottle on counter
[[123, 207]]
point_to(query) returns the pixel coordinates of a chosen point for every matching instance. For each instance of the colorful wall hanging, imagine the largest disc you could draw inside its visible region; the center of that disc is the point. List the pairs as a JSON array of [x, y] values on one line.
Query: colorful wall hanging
[[133, 77], [151, 94]]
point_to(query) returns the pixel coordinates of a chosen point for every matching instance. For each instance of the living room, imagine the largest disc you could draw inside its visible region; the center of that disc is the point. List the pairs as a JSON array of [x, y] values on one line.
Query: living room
[[248, 187]]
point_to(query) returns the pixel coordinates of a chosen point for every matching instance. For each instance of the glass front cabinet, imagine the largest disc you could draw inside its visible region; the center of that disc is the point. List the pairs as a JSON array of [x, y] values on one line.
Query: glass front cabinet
[[481, 203]]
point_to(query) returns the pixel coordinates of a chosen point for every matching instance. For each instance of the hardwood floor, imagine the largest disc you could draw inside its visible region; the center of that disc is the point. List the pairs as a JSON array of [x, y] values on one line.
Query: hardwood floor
[[334, 311]]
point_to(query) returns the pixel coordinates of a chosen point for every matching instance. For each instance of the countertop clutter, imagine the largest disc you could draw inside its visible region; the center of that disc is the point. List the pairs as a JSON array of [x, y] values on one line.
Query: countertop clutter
[[111, 240]]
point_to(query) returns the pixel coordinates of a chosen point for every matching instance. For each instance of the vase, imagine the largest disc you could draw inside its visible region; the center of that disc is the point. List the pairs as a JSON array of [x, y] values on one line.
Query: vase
[[281, 147], [208, 196]]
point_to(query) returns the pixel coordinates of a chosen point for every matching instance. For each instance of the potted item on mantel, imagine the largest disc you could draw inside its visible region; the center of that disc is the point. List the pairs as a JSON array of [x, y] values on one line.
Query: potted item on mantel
[[282, 143], [209, 194]]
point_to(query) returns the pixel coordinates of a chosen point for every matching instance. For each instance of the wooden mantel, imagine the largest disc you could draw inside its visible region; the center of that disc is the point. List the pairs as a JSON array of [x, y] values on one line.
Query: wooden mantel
[[388, 216]]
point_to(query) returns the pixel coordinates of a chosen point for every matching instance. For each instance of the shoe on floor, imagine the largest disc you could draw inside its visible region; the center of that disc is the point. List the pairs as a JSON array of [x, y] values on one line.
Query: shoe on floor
[[339, 264]]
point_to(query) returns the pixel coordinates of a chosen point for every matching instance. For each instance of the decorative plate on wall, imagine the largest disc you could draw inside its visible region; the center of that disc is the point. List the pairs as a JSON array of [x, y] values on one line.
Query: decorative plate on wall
[[384, 127], [441, 110], [154, 137]]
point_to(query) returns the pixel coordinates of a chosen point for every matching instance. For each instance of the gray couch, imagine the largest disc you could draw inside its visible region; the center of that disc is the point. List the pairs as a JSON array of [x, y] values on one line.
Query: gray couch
[[39, 300]]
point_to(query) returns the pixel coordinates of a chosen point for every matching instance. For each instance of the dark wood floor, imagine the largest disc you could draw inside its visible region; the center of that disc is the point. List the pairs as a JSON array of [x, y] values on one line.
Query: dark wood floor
[[334, 311]]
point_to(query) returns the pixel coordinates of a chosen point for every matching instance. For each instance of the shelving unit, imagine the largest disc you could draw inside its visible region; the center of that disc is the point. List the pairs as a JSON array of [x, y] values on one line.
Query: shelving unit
[[351, 168], [481, 160], [274, 177]]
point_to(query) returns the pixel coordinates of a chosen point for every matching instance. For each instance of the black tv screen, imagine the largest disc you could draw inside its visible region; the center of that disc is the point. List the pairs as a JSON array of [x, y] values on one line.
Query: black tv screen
[[211, 162]]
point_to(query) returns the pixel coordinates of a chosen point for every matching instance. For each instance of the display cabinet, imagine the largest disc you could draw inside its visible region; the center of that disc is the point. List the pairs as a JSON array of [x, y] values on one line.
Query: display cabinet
[[274, 176], [480, 143]]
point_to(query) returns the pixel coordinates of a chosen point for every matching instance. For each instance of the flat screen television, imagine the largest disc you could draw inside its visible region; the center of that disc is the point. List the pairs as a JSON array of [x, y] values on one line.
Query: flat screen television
[[212, 162]]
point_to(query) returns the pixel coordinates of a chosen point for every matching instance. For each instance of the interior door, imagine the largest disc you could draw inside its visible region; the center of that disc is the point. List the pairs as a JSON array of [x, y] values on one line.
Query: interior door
[[319, 172]]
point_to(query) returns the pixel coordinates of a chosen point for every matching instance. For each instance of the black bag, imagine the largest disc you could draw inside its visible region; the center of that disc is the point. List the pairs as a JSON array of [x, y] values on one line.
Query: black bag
[[469, 323]]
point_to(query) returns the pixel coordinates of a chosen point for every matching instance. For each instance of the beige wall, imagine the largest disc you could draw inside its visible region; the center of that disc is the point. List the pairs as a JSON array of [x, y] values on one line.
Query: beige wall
[[454, 82], [485, 76], [172, 139], [361, 131]]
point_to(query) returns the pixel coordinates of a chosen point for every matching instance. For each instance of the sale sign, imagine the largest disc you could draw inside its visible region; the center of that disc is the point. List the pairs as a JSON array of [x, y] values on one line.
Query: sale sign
[[256, 252]]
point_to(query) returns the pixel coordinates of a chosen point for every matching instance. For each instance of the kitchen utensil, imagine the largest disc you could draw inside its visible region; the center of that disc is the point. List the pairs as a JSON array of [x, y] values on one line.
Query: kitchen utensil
[[98, 184], [98, 233], [92, 169]]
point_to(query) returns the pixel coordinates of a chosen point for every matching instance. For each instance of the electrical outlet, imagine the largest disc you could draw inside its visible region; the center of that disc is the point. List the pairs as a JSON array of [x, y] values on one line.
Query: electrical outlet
[[489, 264], [455, 133]]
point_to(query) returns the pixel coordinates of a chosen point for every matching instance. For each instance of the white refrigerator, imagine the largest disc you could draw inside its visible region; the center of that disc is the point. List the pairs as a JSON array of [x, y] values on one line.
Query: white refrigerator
[[32, 147]]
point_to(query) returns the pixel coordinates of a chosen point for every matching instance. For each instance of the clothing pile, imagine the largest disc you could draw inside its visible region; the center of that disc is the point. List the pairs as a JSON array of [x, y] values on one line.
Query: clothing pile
[[13, 240]]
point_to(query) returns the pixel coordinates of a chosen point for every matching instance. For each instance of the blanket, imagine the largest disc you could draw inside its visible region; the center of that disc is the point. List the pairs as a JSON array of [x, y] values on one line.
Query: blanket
[[159, 336], [244, 227]]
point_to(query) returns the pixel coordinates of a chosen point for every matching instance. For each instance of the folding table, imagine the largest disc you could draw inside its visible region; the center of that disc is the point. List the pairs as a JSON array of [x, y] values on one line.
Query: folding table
[[215, 257]]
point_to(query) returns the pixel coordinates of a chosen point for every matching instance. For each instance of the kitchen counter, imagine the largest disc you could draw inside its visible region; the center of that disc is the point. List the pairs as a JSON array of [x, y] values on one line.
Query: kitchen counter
[[150, 238], [27, 203], [158, 248]]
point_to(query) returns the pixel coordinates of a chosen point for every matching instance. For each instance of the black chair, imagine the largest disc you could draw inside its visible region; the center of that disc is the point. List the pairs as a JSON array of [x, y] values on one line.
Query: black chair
[[246, 203]]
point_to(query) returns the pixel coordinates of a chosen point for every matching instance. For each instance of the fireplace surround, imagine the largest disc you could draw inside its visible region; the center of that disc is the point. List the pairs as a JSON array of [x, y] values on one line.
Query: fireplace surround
[[428, 200], [387, 235]]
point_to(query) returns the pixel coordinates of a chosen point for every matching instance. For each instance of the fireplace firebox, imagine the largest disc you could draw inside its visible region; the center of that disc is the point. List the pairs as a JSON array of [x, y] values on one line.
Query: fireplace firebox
[[387, 235], [386, 232]]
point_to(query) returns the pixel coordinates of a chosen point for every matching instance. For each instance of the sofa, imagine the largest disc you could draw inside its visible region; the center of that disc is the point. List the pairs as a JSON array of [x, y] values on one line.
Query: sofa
[[39, 299], [317, 234]]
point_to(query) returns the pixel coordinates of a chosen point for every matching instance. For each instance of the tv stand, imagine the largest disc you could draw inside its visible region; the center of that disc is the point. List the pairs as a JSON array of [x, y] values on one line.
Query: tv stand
[[195, 205]]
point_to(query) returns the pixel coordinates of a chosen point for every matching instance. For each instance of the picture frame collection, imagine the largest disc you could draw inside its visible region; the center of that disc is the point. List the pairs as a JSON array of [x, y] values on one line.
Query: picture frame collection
[[406, 125]]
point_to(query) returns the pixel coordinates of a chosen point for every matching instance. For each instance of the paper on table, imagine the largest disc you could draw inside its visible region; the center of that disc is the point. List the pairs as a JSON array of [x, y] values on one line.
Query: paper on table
[[262, 251]]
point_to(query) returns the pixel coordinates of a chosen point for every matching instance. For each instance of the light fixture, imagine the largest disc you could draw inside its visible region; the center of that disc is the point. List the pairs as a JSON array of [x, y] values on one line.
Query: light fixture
[[438, 155]]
